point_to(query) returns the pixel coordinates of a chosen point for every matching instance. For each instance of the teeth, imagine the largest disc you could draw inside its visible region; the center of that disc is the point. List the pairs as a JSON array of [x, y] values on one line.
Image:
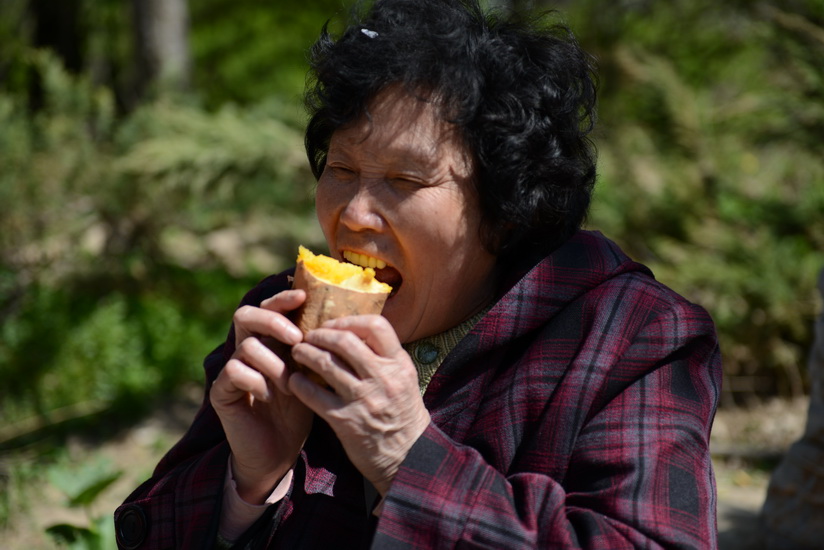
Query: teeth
[[363, 260]]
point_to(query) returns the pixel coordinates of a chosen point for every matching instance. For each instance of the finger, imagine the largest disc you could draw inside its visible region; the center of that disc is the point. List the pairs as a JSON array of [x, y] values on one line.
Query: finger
[[348, 347], [374, 330], [285, 301], [235, 382], [257, 355], [330, 367], [251, 320], [319, 400]]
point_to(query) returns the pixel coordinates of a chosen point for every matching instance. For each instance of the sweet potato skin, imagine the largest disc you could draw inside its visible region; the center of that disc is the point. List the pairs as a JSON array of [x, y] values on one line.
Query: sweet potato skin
[[325, 301]]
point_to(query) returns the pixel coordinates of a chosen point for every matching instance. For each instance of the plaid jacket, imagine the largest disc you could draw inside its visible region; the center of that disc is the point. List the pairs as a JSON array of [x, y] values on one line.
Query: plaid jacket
[[575, 414]]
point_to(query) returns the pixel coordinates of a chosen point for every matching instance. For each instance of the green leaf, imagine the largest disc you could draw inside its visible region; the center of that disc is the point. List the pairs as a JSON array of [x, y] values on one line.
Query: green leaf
[[91, 492], [70, 534]]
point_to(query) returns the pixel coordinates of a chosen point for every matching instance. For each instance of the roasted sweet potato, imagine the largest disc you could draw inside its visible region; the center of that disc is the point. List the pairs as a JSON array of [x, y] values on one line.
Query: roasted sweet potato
[[334, 289]]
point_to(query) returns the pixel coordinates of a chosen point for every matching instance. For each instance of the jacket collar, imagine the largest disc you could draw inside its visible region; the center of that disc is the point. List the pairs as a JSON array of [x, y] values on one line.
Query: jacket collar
[[535, 294]]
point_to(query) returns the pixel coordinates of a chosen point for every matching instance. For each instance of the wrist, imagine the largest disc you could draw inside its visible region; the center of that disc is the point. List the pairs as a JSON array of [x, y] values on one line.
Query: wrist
[[255, 488], [382, 485], [237, 515]]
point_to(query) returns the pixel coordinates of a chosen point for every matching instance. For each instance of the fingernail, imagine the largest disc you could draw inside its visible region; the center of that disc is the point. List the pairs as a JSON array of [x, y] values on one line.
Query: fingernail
[[294, 334]]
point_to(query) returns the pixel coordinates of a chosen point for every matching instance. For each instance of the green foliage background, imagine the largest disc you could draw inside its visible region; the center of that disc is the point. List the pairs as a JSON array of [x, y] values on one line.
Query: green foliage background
[[711, 167], [130, 227]]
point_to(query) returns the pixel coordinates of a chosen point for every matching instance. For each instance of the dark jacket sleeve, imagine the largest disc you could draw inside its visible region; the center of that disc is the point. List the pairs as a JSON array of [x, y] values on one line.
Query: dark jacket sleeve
[[179, 506]]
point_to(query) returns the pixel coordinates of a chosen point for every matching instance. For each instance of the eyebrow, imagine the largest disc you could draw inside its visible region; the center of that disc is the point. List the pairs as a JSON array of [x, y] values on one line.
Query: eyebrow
[[405, 157]]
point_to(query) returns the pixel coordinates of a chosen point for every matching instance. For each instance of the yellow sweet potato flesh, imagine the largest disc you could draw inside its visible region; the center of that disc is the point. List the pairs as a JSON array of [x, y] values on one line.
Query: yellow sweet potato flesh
[[342, 274]]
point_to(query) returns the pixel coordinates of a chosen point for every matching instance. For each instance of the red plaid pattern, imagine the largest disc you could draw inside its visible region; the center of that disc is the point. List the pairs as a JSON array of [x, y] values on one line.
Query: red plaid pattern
[[576, 414]]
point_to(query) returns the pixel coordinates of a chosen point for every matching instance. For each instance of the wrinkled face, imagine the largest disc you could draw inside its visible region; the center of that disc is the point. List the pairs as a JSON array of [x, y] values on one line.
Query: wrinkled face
[[397, 194]]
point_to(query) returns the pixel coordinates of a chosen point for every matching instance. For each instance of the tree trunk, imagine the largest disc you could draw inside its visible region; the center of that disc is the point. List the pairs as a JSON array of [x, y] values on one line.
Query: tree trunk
[[57, 27], [793, 513], [162, 46]]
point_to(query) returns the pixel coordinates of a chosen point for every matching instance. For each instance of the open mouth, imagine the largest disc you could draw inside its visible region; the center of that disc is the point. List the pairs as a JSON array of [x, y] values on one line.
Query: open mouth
[[383, 272]]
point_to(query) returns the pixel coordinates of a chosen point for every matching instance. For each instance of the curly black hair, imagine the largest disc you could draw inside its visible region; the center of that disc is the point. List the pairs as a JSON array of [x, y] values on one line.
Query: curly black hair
[[521, 91]]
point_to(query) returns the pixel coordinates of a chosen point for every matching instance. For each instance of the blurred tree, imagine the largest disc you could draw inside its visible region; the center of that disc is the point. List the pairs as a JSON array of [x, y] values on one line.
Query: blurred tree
[[58, 27], [710, 163], [793, 510], [162, 44], [245, 50], [136, 49]]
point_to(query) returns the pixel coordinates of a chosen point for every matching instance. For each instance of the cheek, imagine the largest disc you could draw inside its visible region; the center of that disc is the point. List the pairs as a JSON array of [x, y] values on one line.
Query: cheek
[[457, 229], [325, 205]]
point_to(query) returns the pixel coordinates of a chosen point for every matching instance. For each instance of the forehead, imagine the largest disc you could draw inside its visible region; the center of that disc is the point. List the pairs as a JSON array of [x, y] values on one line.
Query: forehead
[[398, 122]]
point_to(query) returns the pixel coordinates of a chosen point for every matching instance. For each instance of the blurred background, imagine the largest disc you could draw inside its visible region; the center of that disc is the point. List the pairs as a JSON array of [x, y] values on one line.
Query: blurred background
[[152, 170]]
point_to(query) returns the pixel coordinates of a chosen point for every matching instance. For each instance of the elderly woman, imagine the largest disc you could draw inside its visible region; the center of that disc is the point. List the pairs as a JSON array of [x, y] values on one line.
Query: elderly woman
[[527, 385]]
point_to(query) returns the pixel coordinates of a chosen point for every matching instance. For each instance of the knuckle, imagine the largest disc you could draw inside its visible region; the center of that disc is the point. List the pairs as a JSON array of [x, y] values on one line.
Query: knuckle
[[232, 368], [277, 324], [242, 314], [375, 323], [360, 393], [345, 338], [325, 362], [337, 415], [247, 346]]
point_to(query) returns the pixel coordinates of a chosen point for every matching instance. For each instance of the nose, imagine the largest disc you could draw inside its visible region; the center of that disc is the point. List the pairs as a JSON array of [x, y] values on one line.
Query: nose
[[362, 211]]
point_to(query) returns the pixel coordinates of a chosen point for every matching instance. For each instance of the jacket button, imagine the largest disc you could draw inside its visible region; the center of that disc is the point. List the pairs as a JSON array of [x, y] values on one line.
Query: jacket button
[[132, 527], [426, 353]]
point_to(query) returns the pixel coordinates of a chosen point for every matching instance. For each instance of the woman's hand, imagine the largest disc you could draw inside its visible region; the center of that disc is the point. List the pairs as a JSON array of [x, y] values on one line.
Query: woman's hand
[[376, 408], [265, 424]]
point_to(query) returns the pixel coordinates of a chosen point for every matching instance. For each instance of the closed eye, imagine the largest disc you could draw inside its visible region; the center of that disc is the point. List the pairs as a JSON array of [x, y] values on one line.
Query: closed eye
[[341, 172], [409, 181]]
